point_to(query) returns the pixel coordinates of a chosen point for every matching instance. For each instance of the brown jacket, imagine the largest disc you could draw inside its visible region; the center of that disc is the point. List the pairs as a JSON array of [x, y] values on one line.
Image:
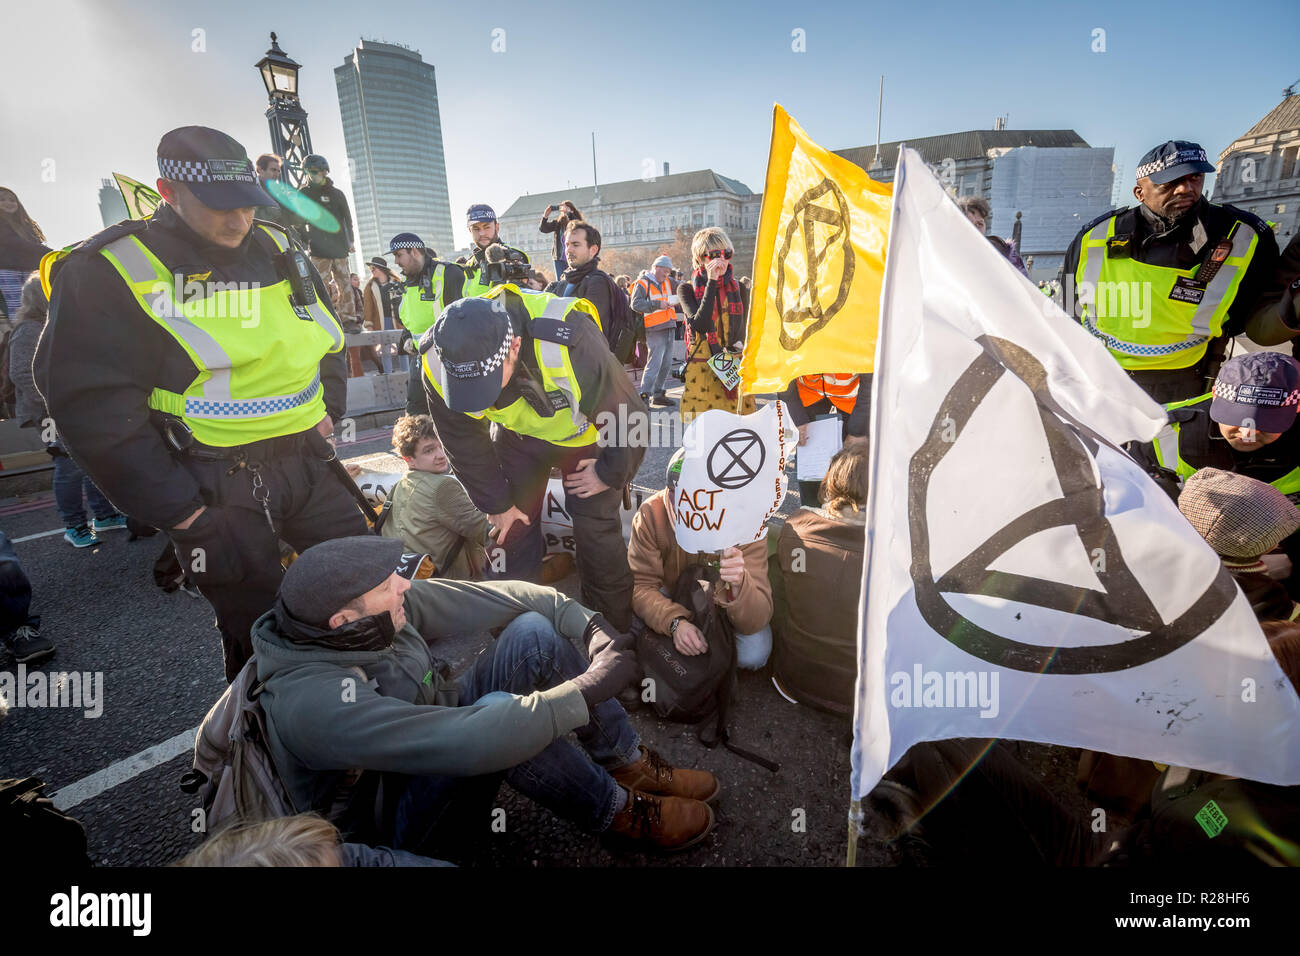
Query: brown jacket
[[818, 567], [657, 561], [372, 309]]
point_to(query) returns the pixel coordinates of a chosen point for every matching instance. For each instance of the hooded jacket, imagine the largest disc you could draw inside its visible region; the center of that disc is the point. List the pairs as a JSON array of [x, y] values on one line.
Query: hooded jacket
[[406, 718], [329, 245]]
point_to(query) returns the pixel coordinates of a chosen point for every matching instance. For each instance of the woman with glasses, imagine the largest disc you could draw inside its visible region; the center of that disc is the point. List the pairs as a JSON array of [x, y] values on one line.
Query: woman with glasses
[[715, 307]]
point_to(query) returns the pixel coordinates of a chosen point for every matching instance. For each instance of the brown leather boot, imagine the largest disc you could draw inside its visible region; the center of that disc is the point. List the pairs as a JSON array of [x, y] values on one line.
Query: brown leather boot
[[669, 823], [653, 774]]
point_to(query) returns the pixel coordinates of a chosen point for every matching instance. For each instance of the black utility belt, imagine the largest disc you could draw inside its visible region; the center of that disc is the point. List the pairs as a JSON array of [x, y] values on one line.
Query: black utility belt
[[182, 442]]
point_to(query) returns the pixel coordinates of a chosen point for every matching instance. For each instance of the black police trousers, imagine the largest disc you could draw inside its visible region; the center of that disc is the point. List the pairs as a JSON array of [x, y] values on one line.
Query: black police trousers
[[606, 578], [230, 550]]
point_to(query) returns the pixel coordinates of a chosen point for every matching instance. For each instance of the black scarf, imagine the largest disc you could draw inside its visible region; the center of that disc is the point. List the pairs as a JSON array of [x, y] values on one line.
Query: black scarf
[[373, 633], [576, 275]]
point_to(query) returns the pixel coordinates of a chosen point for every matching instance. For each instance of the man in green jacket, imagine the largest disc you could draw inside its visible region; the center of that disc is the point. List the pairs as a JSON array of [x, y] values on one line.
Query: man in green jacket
[[442, 747]]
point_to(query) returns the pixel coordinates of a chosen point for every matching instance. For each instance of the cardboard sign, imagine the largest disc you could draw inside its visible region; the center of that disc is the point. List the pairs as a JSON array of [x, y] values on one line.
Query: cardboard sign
[[733, 477], [557, 525], [726, 365]]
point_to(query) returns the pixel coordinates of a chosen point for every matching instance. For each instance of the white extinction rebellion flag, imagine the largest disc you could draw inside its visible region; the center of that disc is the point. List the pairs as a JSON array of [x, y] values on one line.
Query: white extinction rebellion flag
[[1025, 579]]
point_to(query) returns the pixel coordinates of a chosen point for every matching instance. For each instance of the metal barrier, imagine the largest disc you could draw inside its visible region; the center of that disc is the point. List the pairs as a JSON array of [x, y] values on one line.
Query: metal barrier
[[378, 392]]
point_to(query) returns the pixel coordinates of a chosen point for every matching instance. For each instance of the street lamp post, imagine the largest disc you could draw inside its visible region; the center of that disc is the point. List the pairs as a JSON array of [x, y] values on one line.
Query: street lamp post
[[290, 137]]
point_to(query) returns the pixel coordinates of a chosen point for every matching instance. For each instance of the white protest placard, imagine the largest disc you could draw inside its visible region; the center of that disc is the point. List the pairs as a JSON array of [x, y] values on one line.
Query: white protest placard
[[726, 365], [557, 524], [733, 477]]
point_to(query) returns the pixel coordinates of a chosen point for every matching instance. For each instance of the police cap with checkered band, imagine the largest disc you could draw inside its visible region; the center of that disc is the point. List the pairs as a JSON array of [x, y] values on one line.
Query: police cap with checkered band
[[1259, 390], [473, 339], [214, 166], [1173, 160]]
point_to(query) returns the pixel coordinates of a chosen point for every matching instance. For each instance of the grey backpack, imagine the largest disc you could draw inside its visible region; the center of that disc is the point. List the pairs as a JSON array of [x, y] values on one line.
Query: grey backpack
[[233, 769]]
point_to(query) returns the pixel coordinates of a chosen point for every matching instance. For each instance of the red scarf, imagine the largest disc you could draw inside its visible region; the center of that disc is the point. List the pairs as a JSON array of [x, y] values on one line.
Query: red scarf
[[728, 287]]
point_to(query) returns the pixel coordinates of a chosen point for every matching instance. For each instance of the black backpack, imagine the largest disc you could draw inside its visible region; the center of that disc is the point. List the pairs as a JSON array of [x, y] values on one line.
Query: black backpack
[[35, 831], [626, 325], [691, 689]]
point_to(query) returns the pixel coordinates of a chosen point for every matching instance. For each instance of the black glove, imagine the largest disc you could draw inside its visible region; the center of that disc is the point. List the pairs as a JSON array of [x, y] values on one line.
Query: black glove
[[613, 663]]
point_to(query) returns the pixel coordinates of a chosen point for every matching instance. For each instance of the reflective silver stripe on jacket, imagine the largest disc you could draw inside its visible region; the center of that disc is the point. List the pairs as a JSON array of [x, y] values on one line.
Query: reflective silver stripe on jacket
[[1242, 237], [552, 356], [251, 407], [163, 307]]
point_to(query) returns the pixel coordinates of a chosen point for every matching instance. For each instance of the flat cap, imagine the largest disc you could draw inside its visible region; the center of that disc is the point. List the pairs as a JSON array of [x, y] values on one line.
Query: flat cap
[[330, 575], [1238, 517]]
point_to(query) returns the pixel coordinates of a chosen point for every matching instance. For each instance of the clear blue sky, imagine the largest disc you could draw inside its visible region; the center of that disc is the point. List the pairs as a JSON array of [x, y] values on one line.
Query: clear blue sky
[[92, 84]]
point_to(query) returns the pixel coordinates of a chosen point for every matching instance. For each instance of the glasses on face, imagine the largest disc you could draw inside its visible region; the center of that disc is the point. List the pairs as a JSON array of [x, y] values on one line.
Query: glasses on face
[[717, 254]]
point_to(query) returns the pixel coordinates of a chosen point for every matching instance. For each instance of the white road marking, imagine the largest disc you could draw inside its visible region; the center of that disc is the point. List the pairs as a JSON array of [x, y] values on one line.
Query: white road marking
[[32, 537], [122, 771]]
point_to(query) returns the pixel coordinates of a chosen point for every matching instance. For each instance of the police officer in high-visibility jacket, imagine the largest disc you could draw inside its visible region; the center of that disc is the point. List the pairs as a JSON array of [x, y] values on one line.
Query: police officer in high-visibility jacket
[[538, 366], [194, 368], [843, 395], [485, 231], [1245, 425], [431, 286], [1165, 284]]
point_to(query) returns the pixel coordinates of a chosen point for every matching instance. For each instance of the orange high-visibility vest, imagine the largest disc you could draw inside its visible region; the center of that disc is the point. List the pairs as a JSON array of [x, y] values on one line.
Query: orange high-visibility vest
[[841, 389], [655, 319]]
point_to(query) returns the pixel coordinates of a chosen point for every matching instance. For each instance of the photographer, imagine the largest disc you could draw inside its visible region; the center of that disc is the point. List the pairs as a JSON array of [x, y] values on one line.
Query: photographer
[[431, 286], [559, 225]]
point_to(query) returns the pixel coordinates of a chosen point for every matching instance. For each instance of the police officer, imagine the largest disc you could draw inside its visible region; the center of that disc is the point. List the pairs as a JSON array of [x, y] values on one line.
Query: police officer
[[431, 285], [485, 231], [195, 369], [1246, 424], [1166, 283], [538, 367]]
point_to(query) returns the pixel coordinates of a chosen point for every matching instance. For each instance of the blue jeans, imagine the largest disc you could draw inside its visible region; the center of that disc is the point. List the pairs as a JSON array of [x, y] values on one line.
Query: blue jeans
[[15, 592], [752, 650], [529, 655], [659, 341], [69, 481]]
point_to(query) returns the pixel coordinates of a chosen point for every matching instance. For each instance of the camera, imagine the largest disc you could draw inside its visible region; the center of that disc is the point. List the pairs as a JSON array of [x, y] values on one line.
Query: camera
[[502, 265]]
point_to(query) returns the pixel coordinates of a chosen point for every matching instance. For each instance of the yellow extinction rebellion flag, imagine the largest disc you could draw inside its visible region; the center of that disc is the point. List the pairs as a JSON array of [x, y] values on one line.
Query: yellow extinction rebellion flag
[[819, 263], [141, 200]]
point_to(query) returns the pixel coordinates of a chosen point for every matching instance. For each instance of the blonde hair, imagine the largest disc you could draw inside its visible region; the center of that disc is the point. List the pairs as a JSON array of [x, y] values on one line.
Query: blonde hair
[[302, 840], [706, 240]]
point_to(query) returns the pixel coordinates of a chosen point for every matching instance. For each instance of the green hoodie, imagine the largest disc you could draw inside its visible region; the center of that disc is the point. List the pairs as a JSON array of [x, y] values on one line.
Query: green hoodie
[[323, 722]]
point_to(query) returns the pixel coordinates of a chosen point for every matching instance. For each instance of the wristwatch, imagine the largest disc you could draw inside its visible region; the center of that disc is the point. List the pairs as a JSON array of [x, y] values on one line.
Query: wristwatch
[[672, 628]]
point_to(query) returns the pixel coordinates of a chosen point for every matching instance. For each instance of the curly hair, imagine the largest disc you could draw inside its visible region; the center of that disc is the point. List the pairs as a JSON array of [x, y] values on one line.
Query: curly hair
[[409, 431]]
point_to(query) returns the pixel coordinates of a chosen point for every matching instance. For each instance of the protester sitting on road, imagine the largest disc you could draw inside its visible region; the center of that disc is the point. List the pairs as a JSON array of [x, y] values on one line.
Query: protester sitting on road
[[305, 839], [657, 560], [342, 606], [69, 480], [1243, 519], [715, 307], [816, 577], [430, 511]]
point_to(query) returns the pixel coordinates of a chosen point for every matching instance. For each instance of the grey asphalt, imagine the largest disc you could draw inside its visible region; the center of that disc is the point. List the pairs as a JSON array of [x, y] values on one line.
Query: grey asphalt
[[161, 662]]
